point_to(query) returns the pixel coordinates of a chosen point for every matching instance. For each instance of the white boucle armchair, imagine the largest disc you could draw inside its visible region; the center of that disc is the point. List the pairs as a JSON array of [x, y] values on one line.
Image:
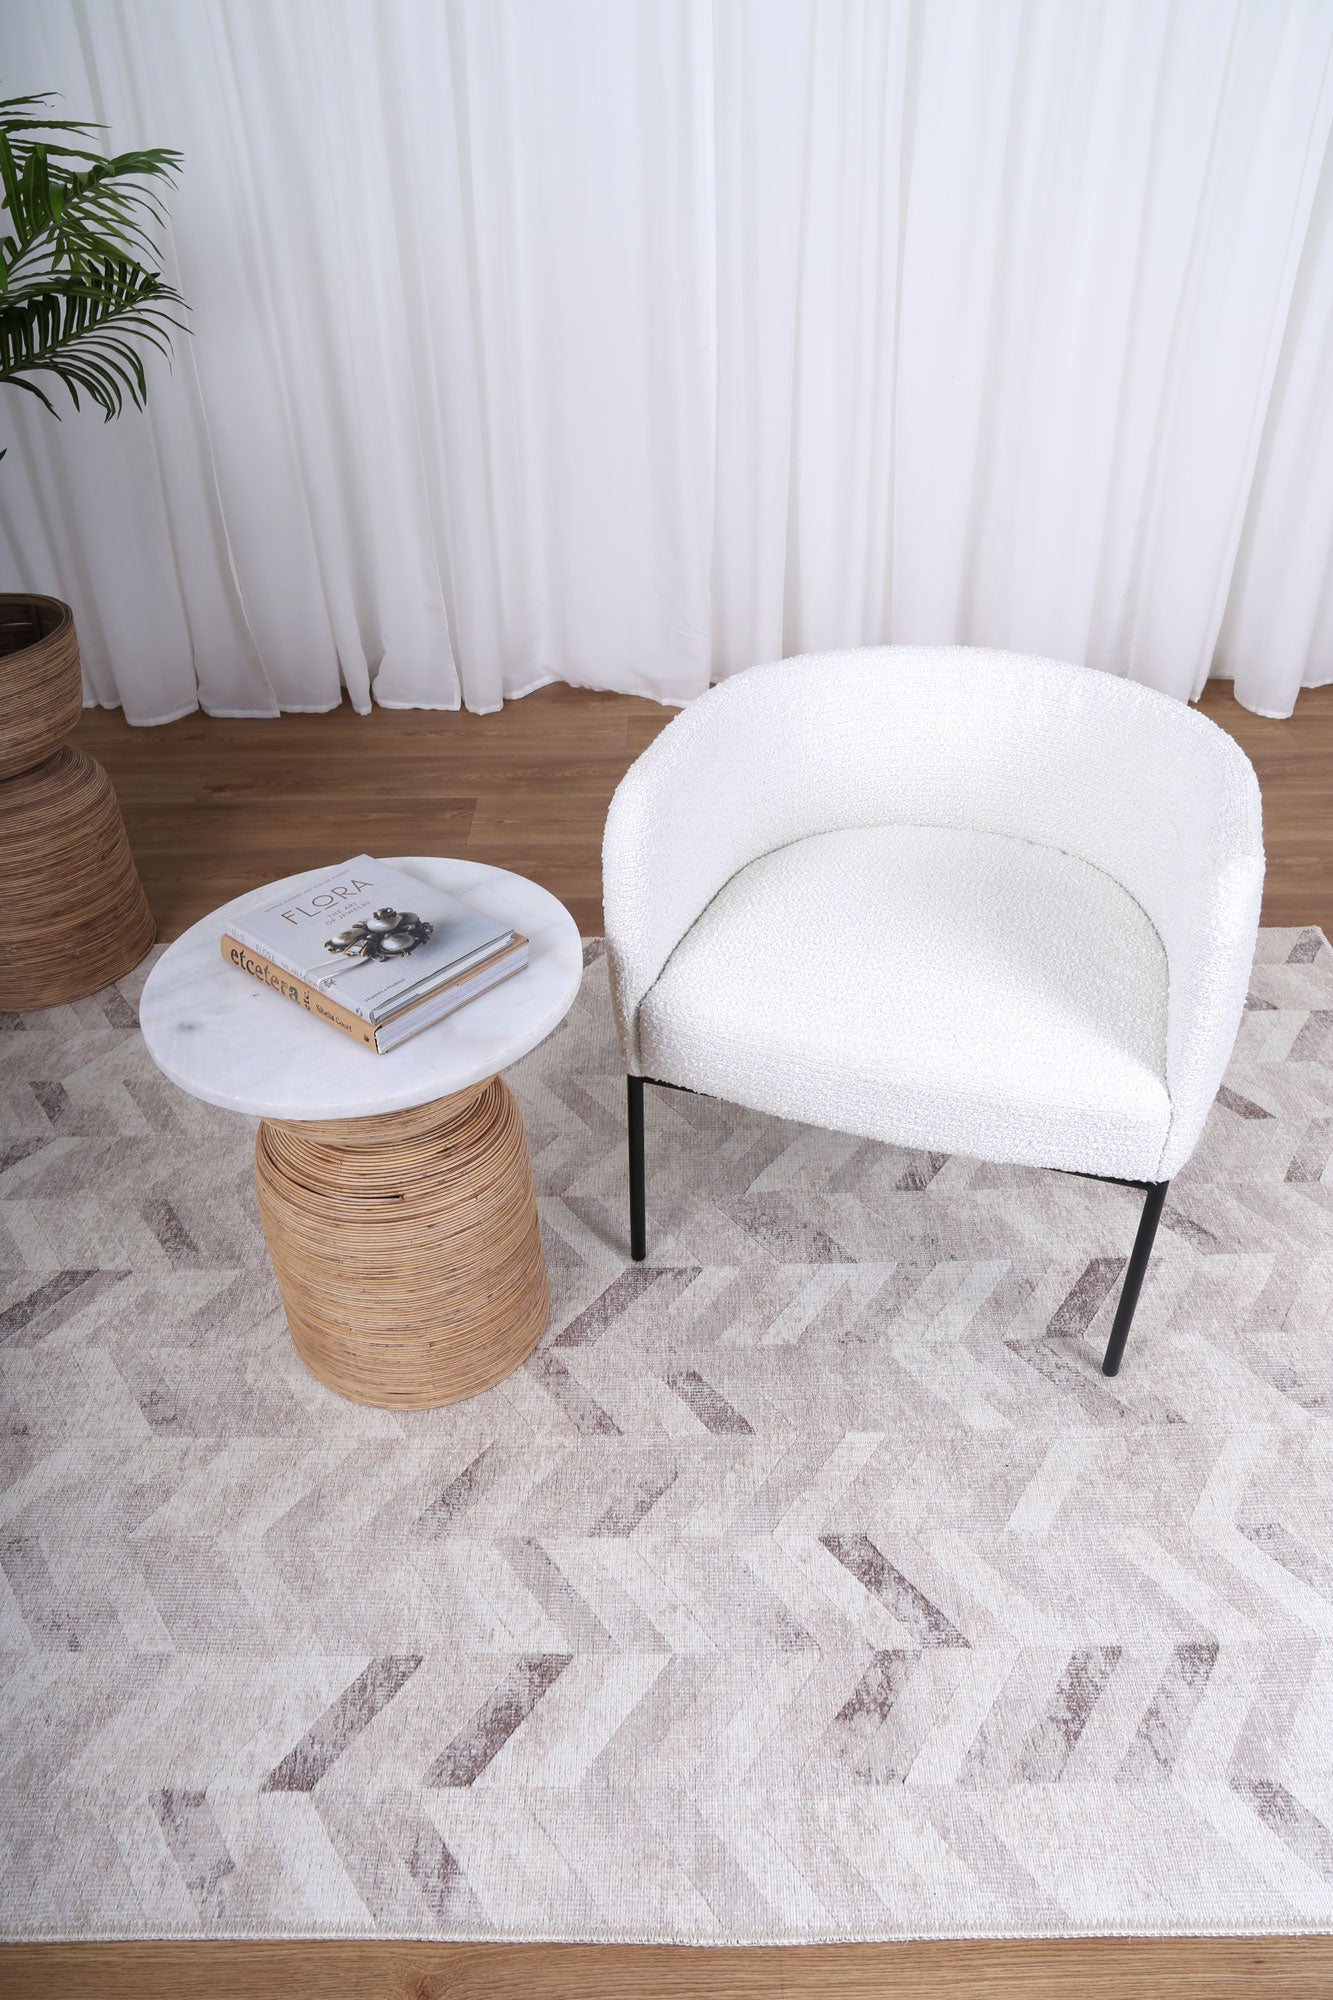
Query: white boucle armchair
[[966, 901]]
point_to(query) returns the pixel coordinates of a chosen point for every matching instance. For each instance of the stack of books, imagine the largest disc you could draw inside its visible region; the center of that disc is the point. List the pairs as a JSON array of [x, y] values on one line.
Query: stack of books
[[373, 951]]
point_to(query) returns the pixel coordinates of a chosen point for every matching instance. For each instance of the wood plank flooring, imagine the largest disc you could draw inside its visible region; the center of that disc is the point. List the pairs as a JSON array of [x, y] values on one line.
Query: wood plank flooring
[[213, 808], [1068, 1969]]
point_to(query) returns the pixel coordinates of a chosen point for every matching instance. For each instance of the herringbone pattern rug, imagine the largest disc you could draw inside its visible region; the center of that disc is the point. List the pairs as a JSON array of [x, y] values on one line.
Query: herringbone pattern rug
[[809, 1582]]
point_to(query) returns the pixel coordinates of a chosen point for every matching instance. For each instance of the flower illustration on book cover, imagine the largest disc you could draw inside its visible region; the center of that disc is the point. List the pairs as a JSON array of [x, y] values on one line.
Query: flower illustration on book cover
[[384, 935]]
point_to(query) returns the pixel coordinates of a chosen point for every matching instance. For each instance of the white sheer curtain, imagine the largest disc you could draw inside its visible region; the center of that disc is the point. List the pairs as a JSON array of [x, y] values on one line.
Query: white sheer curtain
[[630, 344]]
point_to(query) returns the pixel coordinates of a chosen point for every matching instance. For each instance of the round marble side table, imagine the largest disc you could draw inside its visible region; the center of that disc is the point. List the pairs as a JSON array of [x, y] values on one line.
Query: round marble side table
[[395, 1190]]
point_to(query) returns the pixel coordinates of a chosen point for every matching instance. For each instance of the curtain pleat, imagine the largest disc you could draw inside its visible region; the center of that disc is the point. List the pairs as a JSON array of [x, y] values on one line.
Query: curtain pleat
[[629, 345]]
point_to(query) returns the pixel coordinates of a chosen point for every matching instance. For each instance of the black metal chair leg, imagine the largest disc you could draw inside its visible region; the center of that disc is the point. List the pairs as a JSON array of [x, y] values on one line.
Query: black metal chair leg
[[638, 1221], [1134, 1276]]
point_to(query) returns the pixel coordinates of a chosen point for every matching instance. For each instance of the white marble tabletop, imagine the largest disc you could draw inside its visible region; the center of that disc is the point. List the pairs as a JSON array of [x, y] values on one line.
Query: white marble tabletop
[[224, 1037]]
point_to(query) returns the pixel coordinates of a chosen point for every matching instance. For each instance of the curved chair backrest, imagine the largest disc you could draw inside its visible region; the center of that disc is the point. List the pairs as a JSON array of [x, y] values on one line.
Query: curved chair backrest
[[1126, 779]]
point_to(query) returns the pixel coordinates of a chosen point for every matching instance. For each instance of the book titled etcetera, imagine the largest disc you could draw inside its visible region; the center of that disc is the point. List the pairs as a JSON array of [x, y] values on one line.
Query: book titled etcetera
[[369, 937]]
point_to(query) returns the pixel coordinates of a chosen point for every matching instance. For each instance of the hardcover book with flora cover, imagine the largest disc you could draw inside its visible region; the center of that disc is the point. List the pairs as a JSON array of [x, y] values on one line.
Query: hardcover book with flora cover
[[369, 937]]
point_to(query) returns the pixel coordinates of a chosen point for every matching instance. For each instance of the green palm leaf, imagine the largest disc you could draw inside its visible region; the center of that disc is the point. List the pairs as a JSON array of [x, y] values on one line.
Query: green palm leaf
[[81, 297]]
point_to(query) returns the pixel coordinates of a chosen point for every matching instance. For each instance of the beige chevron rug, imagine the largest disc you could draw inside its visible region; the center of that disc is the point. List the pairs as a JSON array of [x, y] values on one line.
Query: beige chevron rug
[[808, 1583]]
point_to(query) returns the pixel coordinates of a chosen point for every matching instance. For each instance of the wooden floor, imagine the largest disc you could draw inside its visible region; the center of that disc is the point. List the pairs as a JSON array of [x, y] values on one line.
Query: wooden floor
[[1075, 1969], [214, 808]]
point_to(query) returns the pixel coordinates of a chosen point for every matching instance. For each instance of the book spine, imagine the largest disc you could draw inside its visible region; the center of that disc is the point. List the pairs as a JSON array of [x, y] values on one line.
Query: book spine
[[279, 980], [376, 1014], [267, 956]]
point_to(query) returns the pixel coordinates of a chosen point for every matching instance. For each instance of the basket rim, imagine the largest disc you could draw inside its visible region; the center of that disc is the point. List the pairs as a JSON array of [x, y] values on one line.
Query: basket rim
[[38, 597]]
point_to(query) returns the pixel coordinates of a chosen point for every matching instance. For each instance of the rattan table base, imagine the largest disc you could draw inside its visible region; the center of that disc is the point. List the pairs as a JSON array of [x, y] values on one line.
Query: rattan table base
[[406, 1247]]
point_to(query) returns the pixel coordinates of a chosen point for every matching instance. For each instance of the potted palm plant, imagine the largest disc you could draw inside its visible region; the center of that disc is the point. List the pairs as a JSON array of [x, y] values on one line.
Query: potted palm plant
[[82, 300]]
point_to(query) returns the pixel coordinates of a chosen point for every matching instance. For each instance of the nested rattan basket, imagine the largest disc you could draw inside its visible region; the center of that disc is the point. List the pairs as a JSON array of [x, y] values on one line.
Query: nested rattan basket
[[73, 913], [41, 686]]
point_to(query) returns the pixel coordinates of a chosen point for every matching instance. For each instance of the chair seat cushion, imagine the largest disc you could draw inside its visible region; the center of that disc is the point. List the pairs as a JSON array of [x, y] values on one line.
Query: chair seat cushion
[[956, 991]]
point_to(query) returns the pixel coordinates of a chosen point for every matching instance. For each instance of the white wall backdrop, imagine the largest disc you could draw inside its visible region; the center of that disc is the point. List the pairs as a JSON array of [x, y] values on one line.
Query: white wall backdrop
[[631, 344]]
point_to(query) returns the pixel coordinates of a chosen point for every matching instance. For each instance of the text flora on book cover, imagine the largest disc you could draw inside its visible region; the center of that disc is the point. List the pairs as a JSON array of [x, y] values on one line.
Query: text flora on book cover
[[368, 934]]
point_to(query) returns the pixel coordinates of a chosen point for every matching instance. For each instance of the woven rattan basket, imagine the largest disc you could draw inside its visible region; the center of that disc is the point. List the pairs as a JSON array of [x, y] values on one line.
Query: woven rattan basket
[[75, 910], [41, 687], [75, 914]]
